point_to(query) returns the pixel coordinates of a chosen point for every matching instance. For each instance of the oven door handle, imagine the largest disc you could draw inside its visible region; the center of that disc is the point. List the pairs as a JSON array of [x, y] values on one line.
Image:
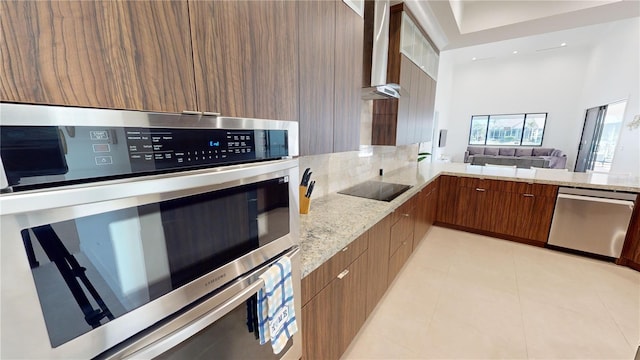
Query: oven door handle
[[173, 339]]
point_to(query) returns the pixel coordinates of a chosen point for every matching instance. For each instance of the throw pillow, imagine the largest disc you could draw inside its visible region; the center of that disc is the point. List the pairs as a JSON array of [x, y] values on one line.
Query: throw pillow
[[557, 153], [542, 151], [491, 151], [507, 151], [475, 150], [524, 152]]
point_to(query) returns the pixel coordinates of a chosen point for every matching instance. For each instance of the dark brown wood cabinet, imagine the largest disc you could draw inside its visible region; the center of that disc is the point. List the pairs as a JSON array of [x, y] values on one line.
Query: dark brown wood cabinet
[[447, 199], [508, 209], [631, 251], [107, 54], [246, 58], [330, 55], [378, 266], [317, 32], [402, 233], [333, 298], [426, 206]]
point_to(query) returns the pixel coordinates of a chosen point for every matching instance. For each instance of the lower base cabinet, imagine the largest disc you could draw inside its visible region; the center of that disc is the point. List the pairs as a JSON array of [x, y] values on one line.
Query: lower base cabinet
[[333, 317], [512, 210]]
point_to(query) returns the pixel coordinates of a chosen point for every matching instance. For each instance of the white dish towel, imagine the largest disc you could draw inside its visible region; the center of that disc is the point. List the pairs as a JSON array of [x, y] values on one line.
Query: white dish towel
[[276, 313]]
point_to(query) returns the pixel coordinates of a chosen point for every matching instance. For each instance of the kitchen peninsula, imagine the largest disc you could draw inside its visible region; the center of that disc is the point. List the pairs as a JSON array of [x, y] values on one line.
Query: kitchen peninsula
[[368, 240]]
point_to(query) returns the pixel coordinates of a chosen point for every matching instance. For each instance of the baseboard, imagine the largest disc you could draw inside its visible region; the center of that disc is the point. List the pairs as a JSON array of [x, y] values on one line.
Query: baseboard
[[492, 234]]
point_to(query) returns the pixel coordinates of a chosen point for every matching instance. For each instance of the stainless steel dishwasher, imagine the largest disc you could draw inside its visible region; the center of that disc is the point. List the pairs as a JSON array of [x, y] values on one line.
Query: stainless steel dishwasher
[[592, 221]]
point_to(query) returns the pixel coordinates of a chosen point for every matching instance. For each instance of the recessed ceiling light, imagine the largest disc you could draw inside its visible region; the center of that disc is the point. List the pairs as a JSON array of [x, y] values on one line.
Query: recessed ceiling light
[[474, 58], [563, 44], [515, 51]]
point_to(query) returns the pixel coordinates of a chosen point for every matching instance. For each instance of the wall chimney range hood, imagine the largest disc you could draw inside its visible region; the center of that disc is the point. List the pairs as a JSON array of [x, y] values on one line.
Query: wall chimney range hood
[[375, 53]]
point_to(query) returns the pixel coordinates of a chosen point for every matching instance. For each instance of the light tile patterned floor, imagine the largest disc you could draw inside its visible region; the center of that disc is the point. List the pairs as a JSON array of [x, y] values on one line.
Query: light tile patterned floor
[[466, 296]]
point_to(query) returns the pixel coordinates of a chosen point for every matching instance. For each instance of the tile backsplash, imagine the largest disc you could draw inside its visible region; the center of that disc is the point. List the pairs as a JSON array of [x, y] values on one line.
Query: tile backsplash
[[337, 171]]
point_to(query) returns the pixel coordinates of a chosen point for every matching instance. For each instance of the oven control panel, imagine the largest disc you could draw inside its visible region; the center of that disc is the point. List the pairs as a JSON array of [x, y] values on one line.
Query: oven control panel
[[44, 156], [159, 149]]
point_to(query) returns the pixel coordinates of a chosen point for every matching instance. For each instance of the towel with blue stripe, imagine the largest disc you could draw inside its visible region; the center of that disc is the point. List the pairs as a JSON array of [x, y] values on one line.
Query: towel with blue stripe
[[276, 313]]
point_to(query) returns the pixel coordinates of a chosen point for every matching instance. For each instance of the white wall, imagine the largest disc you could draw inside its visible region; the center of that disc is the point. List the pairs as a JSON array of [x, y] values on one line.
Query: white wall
[[562, 82], [613, 74]]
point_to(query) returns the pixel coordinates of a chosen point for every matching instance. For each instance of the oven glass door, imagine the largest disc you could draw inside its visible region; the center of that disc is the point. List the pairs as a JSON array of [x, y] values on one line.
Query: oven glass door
[[231, 337], [91, 270]]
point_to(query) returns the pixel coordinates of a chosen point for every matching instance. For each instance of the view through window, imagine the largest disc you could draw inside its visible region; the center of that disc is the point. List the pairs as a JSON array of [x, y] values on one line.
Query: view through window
[[511, 129]]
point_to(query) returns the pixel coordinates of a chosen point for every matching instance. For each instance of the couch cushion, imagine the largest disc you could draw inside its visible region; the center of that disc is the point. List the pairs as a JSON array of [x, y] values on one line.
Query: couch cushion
[[491, 151], [475, 150], [507, 151], [542, 151], [524, 152]]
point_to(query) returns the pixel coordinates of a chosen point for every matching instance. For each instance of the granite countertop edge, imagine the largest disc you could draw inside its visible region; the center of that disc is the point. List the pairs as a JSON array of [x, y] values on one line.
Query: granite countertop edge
[[335, 220]]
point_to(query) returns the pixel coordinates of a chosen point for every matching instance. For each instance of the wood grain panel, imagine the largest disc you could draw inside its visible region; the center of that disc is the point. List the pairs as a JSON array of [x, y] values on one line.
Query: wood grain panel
[[332, 318], [383, 129], [397, 261], [630, 255], [319, 324], [378, 264], [323, 275], [393, 61], [447, 199], [316, 28], [348, 79], [107, 54], [351, 313], [246, 57]]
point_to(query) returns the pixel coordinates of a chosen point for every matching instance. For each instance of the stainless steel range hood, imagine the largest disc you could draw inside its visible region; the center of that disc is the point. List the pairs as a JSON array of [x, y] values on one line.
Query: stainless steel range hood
[[376, 18]]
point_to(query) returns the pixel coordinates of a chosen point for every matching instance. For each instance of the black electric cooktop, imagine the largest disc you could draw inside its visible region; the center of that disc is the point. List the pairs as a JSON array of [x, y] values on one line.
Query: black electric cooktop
[[376, 190]]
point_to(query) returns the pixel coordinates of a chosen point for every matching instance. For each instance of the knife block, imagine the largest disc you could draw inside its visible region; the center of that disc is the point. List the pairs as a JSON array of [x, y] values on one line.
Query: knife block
[[305, 202]]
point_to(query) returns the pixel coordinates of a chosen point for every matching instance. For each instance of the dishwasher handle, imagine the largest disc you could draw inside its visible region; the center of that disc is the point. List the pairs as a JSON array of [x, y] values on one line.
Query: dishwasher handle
[[596, 199]]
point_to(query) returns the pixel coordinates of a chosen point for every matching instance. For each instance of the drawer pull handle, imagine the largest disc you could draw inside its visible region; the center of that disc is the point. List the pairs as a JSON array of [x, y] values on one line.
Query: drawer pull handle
[[480, 189], [405, 215], [345, 249], [527, 195], [343, 274]]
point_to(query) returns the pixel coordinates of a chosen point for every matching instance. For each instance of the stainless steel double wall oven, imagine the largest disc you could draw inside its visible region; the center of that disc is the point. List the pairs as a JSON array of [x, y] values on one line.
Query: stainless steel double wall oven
[[139, 235]]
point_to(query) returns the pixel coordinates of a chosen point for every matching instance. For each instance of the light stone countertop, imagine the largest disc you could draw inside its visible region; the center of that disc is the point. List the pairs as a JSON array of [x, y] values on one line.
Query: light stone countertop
[[335, 220]]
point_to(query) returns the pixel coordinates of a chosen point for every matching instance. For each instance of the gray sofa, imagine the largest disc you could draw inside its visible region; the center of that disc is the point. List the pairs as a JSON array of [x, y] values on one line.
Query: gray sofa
[[518, 156]]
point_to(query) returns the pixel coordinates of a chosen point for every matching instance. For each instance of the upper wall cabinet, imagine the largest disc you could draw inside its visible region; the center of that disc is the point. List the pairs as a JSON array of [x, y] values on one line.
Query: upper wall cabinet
[[412, 63], [108, 54], [330, 55], [246, 58]]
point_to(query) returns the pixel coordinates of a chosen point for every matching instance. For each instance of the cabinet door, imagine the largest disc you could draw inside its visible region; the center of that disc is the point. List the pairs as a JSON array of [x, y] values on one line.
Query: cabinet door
[[319, 324], [447, 199], [245, 55], [397, 260], [378, 264], [348, 78], [316, 28], [422, 215], [335, 315], [351, 296], [404, 103], [107, 54]]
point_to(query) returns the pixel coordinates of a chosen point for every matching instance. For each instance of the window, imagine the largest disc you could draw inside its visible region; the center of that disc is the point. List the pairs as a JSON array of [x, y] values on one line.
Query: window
[[512, 129]]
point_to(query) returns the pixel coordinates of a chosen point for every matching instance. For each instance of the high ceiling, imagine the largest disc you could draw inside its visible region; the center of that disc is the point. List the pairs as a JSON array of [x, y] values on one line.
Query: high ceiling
[[456, 24]]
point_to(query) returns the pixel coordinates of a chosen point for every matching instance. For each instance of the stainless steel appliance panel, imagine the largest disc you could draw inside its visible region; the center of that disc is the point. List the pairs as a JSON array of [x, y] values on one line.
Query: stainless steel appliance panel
[[215, 328], [24, 332], [591, 221]]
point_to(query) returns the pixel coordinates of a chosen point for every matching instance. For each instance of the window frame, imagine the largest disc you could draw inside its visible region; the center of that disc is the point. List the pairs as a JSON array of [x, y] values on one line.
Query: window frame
[[524, 123]]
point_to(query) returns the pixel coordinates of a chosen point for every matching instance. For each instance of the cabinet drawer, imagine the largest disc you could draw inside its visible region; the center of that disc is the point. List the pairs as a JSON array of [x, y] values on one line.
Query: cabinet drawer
[[403, 210], [398, 259], [320, 277], [399, 231]]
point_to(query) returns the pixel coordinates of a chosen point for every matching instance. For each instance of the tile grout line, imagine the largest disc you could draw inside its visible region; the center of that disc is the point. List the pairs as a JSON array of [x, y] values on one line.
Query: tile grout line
[[615, 321], [524, 331]]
